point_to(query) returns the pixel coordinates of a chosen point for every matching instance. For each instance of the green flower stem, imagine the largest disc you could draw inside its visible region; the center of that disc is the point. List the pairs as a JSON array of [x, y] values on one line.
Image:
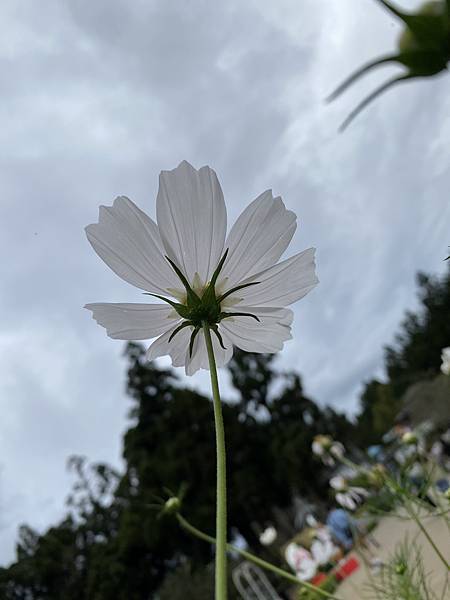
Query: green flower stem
[[408, 504], [423, 529], [221, 493], [254, 559]]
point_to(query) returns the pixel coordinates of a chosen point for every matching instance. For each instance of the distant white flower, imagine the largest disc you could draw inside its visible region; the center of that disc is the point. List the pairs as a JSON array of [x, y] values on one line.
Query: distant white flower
[[347, 495], [268, 536], [300, 561], [445, 357], [327, 449], [352, 497], [338, 483], [410, 438], [235, 284]]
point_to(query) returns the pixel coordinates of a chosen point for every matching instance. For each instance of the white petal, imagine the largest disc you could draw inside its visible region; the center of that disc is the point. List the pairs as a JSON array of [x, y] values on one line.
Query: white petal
[[268, 335], [176, 348], [258, 238], [132, 321], [199, 355], [346, 501], [338, 483], [129, 243], [199, 358], [192, 219], [266, 314], [282, 284]]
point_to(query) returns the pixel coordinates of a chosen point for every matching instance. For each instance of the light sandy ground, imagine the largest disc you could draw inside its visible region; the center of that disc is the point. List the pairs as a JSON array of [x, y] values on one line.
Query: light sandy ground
[[391, 531]]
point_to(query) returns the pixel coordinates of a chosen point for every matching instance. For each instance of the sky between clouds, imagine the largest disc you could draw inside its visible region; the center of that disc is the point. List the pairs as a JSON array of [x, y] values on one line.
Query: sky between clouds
[[98, 97]]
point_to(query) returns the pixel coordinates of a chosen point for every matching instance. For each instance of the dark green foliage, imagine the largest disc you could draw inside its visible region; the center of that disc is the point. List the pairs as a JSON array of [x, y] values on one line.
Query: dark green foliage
[[417, 352], [415, 357], [423, 50], [113, 546], [379, 407]]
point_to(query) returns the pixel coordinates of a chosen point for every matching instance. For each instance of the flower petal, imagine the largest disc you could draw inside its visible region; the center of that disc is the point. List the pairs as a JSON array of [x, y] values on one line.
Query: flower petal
[[268, 335], [199, 358], [258, 238], [132, 321], [282, 284], [192, 219], [129, 243], [176, 348]]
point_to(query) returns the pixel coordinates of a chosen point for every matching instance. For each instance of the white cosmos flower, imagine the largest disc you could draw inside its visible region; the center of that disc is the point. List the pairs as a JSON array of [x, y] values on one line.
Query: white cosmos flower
[[338, 483], [348, 496], [352, 497], [327, 449], [233, 282]]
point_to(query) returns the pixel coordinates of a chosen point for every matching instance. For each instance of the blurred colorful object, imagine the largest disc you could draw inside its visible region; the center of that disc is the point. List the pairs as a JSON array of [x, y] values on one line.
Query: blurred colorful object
[[423, 49], [346, 568], [445, 357]]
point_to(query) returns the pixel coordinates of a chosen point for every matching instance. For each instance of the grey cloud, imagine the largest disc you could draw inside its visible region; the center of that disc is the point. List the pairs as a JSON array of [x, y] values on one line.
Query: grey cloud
[[97, 98]]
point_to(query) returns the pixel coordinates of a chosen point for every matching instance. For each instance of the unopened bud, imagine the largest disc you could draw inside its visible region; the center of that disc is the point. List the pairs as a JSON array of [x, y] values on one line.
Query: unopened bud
[[400, 568], [172, 505], [409, 438]]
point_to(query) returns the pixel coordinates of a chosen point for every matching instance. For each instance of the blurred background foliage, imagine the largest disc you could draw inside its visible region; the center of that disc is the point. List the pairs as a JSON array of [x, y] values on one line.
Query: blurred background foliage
[[111, 545]]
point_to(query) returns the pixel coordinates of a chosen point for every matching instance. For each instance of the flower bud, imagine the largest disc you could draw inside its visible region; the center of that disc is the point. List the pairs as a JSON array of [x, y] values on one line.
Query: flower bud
[[423, 50], [409, 438], [172, 506], [400, 568], [324, 442]]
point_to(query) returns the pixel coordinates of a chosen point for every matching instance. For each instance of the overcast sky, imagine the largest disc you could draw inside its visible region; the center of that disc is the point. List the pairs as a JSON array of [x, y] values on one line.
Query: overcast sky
[[98, 97]]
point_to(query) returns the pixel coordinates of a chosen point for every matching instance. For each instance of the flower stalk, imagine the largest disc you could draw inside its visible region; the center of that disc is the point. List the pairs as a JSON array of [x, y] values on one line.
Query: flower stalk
[[254, 559], [415, 517], [221, 489]]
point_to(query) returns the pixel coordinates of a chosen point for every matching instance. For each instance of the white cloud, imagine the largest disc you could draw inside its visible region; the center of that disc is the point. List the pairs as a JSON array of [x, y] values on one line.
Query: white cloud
[[99, 97]]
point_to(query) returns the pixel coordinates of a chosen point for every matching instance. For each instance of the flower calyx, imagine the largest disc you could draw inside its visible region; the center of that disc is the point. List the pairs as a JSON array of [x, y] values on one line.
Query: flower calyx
[[172, 506], [204, 308], [423, 50]]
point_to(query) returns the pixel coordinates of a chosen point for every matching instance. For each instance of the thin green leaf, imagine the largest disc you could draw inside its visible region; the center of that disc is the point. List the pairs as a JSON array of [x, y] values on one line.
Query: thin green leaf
[[358, 73], [178, 329], [355, 112], [235, 289], [239, 314], [219, 337], [219, 268], [190, 292], [191, 343]]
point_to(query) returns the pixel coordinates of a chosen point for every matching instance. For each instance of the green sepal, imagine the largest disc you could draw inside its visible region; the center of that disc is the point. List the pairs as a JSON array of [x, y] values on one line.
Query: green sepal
[[209, 295], [191, 343], [235, 289], [219, 268], [181, 309], [191, 296], [219, 337], [179, 328], [371, 97], [225, 315]]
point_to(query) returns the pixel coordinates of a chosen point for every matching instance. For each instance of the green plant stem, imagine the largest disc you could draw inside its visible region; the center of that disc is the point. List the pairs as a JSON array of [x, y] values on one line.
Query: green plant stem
[[254, 559], [409, 508], [221, 490], [423, 529]]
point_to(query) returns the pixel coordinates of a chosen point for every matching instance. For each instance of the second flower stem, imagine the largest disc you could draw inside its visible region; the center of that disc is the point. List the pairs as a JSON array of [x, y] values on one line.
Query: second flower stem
[[221, 493]]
